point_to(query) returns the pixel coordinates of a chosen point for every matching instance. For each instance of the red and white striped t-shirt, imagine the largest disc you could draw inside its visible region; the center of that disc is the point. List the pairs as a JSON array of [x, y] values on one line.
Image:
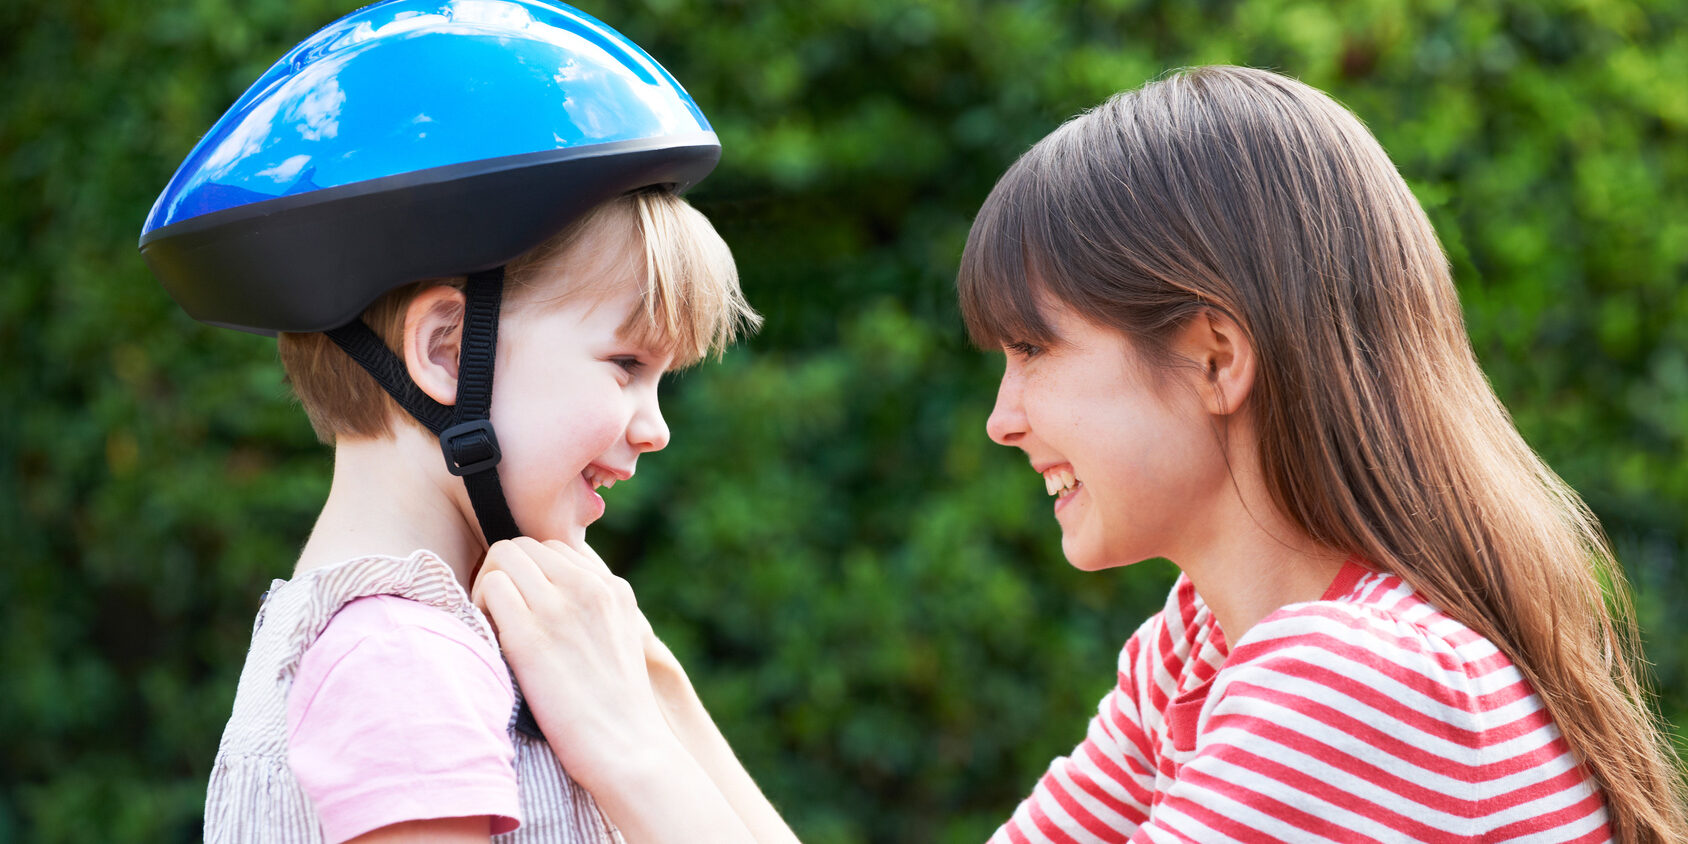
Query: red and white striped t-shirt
[[1367, 715]]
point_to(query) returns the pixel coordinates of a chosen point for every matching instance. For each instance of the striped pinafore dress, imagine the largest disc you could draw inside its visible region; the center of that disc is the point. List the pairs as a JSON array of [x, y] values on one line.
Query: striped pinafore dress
[[253, 795]]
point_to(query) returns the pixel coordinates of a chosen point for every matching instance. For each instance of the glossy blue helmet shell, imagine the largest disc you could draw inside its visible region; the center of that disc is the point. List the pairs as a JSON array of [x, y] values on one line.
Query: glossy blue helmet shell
[[413, 139]]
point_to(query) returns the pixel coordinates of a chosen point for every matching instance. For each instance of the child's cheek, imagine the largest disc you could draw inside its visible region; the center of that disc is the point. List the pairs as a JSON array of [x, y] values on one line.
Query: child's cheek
[[587, 429]]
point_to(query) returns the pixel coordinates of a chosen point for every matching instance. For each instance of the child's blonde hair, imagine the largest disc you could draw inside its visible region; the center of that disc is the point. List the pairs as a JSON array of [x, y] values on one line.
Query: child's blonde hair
[[1250, 194], [692, 305]]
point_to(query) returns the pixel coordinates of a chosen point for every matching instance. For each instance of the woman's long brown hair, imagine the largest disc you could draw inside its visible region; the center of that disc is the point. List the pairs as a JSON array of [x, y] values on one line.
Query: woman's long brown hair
[[1257, 196]]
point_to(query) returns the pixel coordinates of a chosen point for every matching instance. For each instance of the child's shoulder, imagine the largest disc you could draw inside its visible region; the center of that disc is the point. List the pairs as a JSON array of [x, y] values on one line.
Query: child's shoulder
[[392, 624], [379, 613], [393, 649]]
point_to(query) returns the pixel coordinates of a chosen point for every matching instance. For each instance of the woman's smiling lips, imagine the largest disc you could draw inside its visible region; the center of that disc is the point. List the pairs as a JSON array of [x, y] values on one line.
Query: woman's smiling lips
[[1060, 481]]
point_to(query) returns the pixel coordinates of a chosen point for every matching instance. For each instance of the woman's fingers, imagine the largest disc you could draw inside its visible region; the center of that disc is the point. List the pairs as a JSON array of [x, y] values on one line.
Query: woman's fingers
[[527, 573], [584, 552], [555, 586], [573, 634], [587, 561], [578, 567], [556, 553], [497, 596], [538, 571], [542, 559], [527, 591], [562, 564], [656, 653]]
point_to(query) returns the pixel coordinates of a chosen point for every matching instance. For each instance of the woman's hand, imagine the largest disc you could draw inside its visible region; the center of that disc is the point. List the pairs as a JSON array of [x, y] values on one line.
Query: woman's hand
[[614, 703], [577, 642]]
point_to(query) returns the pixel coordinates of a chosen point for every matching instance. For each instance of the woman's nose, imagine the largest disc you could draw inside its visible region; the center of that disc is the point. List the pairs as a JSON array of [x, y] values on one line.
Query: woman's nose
[[1007, 423]]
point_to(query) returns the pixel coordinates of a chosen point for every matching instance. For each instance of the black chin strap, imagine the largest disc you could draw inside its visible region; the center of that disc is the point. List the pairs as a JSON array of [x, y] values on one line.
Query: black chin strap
[[465, 429]]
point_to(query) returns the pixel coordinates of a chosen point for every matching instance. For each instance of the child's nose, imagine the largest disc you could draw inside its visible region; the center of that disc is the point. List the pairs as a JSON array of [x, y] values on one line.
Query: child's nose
[[648, 430]]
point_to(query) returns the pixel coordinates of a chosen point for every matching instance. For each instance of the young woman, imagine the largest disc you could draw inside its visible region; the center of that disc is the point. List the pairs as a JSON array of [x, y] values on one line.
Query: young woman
[[1232, 340]]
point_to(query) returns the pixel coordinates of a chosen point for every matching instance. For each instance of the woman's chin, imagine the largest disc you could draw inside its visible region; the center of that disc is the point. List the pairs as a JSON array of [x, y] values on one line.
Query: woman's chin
[[1086, 555], [1081, 555]]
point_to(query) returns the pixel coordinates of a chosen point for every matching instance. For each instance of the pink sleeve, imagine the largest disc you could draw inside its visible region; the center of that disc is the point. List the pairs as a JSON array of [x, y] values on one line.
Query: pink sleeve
[[398, 713]]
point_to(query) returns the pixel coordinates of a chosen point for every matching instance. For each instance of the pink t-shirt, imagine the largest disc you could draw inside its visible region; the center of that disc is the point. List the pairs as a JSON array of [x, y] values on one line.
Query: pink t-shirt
[[398, 713]]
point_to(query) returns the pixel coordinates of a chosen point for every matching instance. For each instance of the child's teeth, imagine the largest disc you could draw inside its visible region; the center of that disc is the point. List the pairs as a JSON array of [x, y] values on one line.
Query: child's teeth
[[598, 477]]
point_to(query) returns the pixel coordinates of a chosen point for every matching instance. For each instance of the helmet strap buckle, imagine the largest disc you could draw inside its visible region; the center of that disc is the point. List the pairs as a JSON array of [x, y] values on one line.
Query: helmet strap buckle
[[470, 447], [467, 441]]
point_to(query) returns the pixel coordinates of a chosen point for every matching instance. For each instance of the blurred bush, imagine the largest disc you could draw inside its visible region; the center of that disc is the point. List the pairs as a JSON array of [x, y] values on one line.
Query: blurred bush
[[869, 594]]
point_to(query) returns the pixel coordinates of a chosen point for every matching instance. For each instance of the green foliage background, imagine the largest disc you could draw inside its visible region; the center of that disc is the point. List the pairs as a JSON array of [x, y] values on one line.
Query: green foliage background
[[869, 594]]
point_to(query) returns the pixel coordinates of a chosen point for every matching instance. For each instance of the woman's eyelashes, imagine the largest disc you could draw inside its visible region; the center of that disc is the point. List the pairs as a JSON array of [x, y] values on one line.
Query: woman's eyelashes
[[1024, 350]]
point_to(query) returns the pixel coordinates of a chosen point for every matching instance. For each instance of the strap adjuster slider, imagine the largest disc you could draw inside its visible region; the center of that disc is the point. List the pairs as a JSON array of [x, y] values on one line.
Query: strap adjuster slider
[[470, 447]]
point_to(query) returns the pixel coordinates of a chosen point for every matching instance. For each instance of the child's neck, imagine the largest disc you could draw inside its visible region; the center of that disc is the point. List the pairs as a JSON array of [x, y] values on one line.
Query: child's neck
[[393, 496]]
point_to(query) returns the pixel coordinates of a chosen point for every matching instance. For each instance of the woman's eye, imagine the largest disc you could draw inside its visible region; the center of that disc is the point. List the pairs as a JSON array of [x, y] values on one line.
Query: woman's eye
[[1025, 350]]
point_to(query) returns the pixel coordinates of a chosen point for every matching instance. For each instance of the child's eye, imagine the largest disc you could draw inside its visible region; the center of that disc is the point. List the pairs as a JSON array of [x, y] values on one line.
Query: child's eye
[[1025, 350], [631, 364]]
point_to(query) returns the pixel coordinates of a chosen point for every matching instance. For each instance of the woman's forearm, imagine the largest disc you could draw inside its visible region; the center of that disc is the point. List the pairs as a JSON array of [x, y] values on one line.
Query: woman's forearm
[[690, 721], [617, 707], [661, 794]]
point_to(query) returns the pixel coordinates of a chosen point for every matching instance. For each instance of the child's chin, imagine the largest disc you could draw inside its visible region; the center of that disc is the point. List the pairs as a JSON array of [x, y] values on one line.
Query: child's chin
[[574, 534], [558, 530]]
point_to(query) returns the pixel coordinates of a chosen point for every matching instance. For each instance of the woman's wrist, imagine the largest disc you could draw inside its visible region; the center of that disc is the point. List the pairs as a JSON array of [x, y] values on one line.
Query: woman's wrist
[[671, 686], [659, 793], [666, 673], [641, 763]]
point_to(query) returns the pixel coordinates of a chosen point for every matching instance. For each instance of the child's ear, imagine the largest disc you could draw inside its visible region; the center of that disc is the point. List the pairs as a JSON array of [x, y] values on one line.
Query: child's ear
[[1218, 345], [433, 330]]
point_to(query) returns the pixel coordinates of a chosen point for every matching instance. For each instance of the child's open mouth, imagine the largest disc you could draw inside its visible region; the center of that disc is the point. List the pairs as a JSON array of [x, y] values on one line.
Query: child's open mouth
[[598, 477]]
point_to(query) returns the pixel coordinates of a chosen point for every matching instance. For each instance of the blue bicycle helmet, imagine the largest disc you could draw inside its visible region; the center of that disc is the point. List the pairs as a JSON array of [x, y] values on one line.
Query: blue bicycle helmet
[[413, 139], [417, 139]]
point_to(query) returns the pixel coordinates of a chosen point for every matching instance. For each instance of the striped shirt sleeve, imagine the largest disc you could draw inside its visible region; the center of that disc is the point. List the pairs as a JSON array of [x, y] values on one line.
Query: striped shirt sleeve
[[1102, 790]]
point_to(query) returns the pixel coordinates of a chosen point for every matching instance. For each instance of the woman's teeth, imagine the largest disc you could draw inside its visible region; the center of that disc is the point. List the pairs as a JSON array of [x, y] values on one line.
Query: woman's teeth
[[1060, 481]]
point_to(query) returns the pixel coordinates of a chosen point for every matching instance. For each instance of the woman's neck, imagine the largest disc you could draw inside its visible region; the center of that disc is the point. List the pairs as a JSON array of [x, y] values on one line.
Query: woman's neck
[[392, 496], [1243, 579], [1246, 557]]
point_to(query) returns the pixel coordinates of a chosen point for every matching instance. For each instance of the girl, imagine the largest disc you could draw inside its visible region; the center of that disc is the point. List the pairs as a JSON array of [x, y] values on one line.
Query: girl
[[1232, 340]]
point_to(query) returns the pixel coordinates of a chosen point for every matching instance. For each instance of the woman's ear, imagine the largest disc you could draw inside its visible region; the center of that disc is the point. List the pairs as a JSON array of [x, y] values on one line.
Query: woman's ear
[[433, 331], [1218, 345]]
